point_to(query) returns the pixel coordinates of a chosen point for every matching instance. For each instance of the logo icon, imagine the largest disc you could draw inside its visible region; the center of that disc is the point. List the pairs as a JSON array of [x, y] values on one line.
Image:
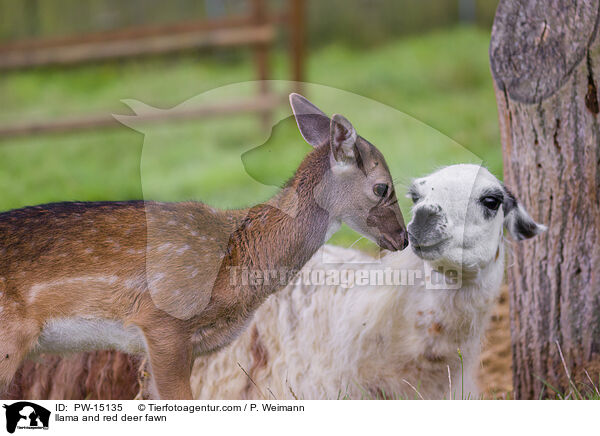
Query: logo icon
[[26, 415]]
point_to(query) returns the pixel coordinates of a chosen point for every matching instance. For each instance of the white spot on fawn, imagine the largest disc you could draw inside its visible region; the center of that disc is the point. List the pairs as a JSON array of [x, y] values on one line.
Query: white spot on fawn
[[183, 249], [82, 281], [155, 279], [135, 283], [164, 247]]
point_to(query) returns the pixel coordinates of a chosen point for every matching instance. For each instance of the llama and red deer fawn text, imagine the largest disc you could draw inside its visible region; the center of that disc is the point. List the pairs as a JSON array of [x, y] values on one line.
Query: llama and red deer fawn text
[[155, 278]]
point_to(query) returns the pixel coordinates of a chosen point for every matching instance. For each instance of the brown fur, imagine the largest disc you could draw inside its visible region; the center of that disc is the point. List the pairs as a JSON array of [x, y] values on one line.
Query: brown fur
[[435, 329]]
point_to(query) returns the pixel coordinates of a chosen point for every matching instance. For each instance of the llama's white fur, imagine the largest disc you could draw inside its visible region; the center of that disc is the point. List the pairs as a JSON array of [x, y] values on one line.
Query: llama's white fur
[[327, 342]]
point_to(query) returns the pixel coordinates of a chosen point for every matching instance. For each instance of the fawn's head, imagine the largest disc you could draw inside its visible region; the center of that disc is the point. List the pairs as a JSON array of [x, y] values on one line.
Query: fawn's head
[[358, 187]]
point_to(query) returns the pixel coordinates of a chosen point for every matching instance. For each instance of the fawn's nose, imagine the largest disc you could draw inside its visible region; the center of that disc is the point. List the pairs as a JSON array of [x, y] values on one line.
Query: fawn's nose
[[400, 238], [396, 240], [403, 239]]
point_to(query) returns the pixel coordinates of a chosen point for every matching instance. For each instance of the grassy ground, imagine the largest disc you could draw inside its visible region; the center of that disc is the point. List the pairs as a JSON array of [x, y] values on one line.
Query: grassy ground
[[425, 101]]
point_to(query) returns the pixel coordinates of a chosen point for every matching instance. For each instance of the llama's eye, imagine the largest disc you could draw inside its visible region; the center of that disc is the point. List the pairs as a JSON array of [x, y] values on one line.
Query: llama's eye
[[380, 189], [491, 203], [414, 197]]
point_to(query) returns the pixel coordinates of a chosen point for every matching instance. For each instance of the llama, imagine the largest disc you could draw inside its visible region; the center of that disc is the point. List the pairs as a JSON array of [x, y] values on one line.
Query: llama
[[388, 341]]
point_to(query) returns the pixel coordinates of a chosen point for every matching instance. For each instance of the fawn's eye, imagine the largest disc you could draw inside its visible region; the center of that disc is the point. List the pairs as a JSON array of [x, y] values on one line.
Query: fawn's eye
[[380, 189], [492, 203]]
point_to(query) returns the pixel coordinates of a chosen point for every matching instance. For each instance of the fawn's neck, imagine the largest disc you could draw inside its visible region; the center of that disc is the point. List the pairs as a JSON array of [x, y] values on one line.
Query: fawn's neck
[[278, 237]]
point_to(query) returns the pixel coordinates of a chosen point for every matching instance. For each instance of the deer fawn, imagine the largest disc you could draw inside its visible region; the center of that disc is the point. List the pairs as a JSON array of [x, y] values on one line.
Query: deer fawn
[[156, 278]]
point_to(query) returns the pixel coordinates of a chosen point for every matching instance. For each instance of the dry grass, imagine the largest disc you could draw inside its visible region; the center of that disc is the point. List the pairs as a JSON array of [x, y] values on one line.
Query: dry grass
[[495, 371]]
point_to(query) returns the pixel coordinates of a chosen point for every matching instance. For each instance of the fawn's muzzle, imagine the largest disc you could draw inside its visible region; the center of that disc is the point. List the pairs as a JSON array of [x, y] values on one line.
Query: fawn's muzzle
[[390, 224], [394, 242]]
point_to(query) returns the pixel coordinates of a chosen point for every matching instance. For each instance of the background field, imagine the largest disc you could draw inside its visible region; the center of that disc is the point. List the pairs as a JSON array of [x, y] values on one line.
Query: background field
[[429, 102]]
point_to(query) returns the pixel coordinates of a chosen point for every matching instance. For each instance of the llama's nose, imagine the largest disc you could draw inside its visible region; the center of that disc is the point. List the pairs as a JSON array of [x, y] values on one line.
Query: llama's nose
[[427, 213], [426, 222]]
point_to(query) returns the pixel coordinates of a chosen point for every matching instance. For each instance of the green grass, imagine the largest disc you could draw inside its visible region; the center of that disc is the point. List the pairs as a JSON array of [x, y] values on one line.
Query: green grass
[[424, 101]]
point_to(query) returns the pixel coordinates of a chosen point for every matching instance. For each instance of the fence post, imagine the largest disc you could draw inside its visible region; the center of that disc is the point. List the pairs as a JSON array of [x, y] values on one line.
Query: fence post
[[297, 37], [261, 56]]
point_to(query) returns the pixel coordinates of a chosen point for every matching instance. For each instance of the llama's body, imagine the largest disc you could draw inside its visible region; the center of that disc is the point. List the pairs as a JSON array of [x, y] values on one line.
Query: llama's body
[[327, 342], [392, 340]]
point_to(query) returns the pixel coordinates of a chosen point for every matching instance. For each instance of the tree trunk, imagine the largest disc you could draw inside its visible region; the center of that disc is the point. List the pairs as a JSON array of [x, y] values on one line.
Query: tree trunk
[[545, 60]]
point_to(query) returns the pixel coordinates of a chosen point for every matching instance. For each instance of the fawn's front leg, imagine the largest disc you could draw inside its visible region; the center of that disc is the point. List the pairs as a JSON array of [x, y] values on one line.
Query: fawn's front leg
[[170, 356]]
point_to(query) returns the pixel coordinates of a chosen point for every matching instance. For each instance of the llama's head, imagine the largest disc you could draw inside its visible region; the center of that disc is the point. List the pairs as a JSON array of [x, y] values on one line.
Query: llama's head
[[459, 214]]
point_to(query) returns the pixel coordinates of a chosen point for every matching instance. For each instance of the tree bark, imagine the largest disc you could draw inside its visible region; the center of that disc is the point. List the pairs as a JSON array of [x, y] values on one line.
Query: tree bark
[[545, 60]]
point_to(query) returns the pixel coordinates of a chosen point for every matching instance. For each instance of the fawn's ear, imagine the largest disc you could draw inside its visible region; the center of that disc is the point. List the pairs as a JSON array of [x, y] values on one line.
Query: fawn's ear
[[312, 122], [516, 219], [342, 139]]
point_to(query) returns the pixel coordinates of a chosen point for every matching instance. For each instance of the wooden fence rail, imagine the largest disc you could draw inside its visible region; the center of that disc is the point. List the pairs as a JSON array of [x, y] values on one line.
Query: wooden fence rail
[[261, 104], [130, 48], [257, 30]]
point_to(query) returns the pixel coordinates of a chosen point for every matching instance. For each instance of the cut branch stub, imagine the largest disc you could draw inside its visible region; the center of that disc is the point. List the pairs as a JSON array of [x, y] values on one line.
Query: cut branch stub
[[535, 45]]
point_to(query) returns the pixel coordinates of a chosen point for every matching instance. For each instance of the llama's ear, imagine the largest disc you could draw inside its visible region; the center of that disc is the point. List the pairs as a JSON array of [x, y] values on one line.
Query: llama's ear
[[312, 122], [343, 139], [516, 219]]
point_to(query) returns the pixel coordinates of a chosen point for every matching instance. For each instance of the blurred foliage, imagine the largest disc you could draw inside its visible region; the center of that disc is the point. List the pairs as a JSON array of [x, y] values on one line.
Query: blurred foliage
[[54, 18], [355, 22], [369, 22], [441, 79]]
